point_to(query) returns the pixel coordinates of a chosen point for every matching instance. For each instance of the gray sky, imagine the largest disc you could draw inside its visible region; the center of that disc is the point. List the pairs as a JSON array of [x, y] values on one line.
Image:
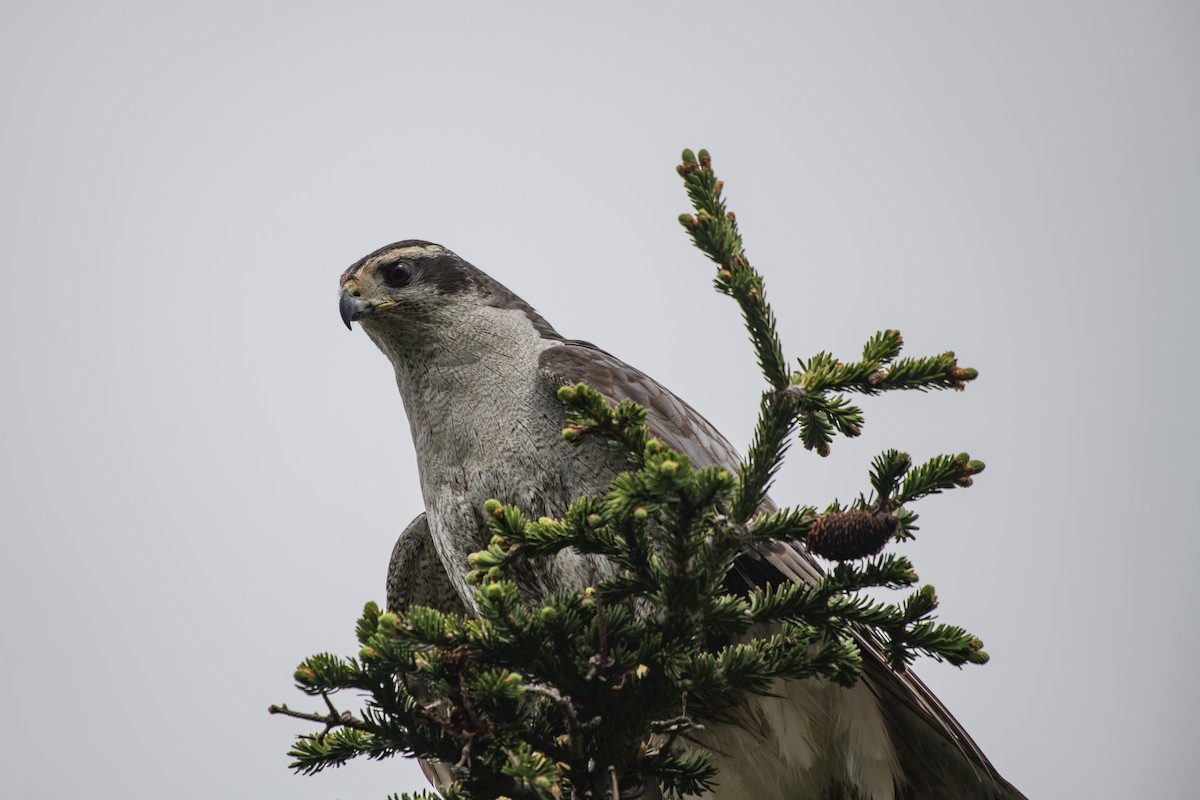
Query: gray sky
[[204, 472]]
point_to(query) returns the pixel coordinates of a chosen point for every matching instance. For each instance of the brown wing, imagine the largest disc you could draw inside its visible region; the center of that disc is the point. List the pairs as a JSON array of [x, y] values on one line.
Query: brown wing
[[416, 576], [928, 738]]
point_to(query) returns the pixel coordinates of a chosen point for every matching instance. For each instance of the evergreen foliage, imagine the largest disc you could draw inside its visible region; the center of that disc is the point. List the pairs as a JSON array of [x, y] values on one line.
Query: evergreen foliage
[[594, 694]]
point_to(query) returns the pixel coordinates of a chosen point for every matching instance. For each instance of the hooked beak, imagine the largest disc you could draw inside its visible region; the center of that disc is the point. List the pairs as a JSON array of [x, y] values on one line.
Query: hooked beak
[[353, 308]]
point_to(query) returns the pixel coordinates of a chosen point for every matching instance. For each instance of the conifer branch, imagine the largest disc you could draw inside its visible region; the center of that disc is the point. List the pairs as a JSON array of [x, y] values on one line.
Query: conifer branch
[[331, 720], [714, 231], [815, 406]]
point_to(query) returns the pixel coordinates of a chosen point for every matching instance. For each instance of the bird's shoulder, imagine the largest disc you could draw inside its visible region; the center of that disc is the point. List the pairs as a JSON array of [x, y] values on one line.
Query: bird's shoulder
[[668, 417]]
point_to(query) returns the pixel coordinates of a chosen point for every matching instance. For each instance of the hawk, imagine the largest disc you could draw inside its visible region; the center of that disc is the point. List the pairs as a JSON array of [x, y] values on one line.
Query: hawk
[[478, 371]]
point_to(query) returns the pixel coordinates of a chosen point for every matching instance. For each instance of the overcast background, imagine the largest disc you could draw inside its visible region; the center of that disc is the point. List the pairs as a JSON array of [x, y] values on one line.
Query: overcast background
[[203, 472]]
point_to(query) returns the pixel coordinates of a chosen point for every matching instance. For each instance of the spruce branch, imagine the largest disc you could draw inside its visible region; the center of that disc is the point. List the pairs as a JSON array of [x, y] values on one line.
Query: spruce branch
[[776, 422], [589, 416], [938, 474], [330, 720], [714, 231]]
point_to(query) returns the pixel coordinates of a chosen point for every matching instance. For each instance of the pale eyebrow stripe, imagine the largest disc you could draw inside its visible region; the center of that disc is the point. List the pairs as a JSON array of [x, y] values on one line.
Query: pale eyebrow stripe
[[415, 250], [412, 251]]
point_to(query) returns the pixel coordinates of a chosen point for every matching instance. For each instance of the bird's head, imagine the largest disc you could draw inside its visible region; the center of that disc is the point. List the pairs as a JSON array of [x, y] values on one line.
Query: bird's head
[[408, 285], [413, 297]]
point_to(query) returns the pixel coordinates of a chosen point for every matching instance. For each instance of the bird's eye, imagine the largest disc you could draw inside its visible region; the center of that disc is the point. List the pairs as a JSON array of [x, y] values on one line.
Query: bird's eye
[[398, 274]]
